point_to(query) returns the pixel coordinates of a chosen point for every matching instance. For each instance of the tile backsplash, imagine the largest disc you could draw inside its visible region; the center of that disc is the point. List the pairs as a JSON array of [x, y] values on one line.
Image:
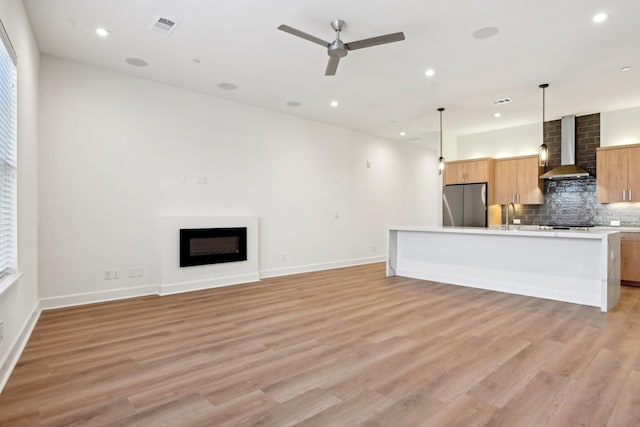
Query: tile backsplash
[[574, 201]]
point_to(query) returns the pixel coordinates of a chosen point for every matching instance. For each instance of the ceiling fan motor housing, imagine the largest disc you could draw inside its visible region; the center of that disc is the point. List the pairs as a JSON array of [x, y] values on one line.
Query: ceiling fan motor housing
[[337, 49]]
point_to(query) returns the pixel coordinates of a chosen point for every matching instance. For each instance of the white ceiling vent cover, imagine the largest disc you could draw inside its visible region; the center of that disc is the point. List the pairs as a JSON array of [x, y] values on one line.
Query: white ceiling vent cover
[[163, 25]]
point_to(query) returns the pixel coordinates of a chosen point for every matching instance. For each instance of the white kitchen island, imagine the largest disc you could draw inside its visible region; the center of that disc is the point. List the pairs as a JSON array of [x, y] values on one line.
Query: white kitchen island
[[581, 267]]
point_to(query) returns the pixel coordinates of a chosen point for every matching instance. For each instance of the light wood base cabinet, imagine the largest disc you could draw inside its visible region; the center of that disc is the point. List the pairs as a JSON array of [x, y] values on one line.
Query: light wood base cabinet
[[630, 257]]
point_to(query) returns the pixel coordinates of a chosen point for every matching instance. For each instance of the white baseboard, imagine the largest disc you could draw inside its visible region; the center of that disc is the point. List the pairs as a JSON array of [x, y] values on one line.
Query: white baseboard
[[198, 285], [18, 345], [94, 297], [287, 271]]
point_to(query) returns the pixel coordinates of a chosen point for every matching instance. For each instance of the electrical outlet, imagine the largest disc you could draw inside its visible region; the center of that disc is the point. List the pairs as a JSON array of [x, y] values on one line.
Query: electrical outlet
[[107, 275], [116, 273], [135, 272], [516, 221], [615, 223]]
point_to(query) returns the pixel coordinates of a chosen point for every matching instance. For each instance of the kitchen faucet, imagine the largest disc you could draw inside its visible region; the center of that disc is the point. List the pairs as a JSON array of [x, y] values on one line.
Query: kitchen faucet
[[514, 214]]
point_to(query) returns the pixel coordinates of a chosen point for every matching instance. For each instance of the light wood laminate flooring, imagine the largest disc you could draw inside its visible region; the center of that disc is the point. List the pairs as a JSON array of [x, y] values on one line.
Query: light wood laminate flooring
[[341, 347]]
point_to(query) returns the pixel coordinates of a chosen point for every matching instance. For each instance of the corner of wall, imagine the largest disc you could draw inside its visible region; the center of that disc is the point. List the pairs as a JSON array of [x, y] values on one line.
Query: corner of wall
[[19, 305]]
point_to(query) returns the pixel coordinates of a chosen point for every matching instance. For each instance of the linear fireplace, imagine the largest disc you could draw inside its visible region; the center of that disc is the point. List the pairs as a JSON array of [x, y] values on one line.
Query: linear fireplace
[[202, 246]]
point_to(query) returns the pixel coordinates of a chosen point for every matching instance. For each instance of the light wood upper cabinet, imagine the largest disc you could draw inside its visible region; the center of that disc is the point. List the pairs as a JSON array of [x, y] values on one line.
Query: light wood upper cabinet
[[478, 171], [530, 186], [633, 173], [506, 180], [469, 171], [472, 171], [518, 181], [618, 172], [454, 173]]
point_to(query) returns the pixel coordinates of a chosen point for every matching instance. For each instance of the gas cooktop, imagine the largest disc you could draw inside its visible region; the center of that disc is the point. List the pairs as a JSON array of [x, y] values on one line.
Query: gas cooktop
[[574, 227]]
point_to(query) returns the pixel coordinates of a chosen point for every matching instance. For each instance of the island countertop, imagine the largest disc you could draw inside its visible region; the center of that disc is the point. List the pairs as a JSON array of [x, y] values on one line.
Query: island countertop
[[581, 267], [592, 233]]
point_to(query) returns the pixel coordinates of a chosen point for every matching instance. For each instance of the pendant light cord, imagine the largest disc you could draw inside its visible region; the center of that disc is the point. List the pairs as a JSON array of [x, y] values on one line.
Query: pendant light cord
[[441, 110], [440, 159], [543, 104]]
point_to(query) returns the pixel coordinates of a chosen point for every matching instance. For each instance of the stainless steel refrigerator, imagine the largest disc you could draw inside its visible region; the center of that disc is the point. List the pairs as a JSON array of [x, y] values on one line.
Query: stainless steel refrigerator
[[464, 205]]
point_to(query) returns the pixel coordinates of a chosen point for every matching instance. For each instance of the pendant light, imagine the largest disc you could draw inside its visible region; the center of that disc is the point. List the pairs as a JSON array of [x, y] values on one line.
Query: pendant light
[[543, 150], [440, 159]]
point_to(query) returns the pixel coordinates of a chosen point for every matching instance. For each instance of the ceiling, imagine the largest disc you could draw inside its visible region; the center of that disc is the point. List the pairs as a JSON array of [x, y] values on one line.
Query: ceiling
[[381, 90]]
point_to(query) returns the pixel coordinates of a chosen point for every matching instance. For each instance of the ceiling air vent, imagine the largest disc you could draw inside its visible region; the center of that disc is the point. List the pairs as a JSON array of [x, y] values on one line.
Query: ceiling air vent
[[163, 25], [502, 101]]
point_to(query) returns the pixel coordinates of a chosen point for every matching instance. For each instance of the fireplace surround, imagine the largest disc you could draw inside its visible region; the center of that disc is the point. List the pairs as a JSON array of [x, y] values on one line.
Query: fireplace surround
[[173, 278]]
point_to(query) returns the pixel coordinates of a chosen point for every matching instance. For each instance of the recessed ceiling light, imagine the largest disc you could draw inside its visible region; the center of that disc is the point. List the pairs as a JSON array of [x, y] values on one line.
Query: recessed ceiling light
[[403, 133], [136, 62], [102, 32], [227, 86], [429, 72], [600, 17], [485, 33], [496, 115], [334, 104], [294, 103], [625, 68]]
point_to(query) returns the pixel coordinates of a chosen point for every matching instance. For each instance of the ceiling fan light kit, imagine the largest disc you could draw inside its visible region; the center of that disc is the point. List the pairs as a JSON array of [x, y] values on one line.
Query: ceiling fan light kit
[[339, 49]]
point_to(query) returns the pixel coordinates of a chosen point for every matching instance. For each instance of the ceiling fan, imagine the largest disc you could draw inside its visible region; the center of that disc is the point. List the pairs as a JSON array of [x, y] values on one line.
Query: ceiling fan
[[338, 49]]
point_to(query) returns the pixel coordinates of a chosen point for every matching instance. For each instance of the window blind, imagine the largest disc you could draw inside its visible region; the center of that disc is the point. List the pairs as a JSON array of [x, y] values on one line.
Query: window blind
[[8, 155]]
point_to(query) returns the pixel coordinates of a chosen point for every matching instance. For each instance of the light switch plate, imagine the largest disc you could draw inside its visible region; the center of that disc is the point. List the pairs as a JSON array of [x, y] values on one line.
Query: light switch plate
[[516, 221]]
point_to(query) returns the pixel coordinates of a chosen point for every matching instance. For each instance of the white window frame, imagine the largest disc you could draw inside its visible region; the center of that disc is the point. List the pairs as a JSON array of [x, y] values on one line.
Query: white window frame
[[8, 163]]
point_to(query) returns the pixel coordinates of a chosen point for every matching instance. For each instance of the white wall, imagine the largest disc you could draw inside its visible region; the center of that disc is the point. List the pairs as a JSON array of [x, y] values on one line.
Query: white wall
[[118, 152], [509, 142], [620, 127], [19, 304]]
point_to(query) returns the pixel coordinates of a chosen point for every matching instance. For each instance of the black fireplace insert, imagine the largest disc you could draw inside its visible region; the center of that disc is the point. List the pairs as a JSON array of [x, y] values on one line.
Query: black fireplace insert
[[202, 246]]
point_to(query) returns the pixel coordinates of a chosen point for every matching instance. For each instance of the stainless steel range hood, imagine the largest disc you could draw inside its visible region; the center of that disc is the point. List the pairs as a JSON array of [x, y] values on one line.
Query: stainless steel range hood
[[568, 168]]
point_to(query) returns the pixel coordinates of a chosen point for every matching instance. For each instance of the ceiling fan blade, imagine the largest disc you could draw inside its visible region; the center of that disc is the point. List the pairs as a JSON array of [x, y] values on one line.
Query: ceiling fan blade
[[374, 41], [332, 66], [298, 33]]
